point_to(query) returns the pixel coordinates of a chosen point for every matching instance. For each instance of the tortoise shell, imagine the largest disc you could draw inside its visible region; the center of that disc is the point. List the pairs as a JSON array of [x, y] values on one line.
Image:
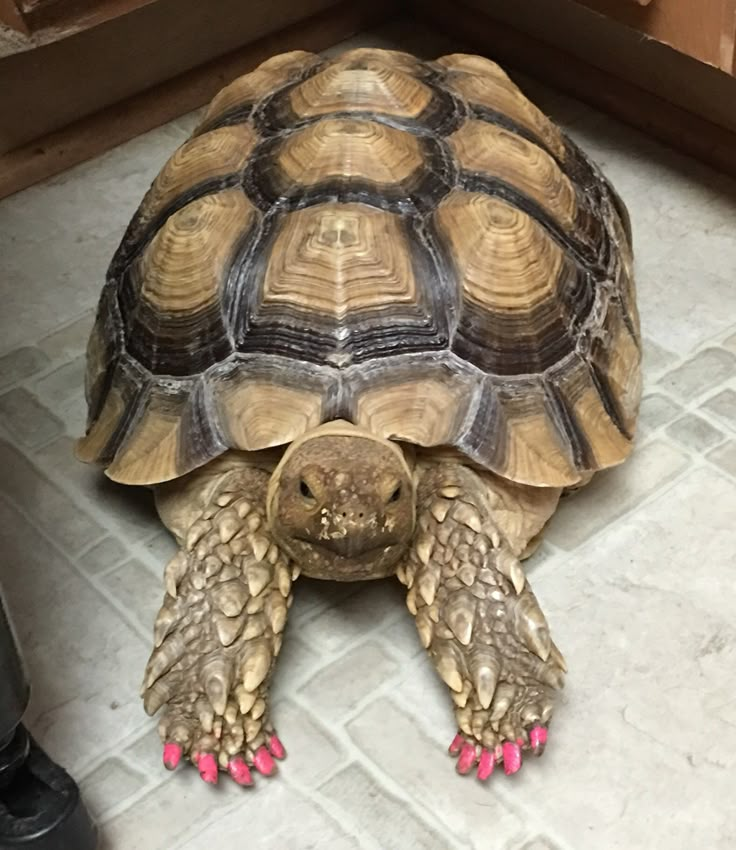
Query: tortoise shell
[[411, 246]]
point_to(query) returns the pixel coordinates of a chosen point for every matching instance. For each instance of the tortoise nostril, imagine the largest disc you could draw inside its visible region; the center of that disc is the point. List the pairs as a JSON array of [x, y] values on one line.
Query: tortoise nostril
[[360, 515]]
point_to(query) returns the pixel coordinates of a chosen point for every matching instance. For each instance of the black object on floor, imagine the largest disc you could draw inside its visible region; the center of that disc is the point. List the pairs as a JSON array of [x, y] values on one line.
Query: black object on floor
[[40, 806]]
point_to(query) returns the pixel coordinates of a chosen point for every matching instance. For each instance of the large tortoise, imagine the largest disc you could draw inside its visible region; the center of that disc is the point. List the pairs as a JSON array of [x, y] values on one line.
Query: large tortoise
[[372, 319]]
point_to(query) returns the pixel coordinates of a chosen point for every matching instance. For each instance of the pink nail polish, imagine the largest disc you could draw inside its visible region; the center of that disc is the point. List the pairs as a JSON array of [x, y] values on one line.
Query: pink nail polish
[[208, 768], [486, 764], [466, 759], [263, 762], [172, 755], [511, 758], [538, 737], [275, 747], [240, 771], [456, 745]]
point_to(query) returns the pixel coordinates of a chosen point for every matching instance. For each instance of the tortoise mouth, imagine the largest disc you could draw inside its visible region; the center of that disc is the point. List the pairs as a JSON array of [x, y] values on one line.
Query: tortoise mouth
[[349, 548], [320, 560]]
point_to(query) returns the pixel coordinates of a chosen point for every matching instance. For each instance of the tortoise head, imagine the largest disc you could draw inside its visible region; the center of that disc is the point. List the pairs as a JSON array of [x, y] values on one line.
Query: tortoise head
[[341, 502]]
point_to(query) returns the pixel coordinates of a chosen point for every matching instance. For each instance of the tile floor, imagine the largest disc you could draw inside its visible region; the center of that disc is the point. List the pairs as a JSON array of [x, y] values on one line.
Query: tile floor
[[636, 575]]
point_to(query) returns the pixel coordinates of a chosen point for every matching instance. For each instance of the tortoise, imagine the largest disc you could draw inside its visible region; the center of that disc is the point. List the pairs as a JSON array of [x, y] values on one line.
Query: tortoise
[[374, 318]]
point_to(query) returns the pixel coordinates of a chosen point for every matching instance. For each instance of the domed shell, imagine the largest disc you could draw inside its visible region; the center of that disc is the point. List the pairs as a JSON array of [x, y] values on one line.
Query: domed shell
[[411, 246]]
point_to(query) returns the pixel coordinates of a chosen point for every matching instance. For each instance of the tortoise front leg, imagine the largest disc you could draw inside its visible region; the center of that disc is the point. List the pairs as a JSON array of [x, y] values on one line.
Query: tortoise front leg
[[480, 622], [219, 630]]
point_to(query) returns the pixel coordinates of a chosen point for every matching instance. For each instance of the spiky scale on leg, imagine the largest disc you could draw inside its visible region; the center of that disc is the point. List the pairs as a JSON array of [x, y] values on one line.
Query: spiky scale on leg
[[218, 636], [488, 637]]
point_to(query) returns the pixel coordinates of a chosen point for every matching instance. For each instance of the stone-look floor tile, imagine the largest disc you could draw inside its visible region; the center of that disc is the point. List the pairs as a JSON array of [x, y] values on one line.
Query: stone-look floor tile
[[655, 359], [297, 662], [426, 699], [694, 432], [129, 509], [539, 842], [271, 817], [705, 371], [21, 364], [84, 661], [135, 588], [470, 809], [29, 423], [46, 505], [613, 492], [69, 341], [695, 523], [312, 752], [62, 391], [656, 410], [180, 807], [372, 606], [725, 457], [103, 556], [50, 282], [159, 550], [672, 317], [644, 618], [145, 752], [401, 637], [340, 686], [109, 785], [314, 595], [730, 343], [389, 820], [723, 405]]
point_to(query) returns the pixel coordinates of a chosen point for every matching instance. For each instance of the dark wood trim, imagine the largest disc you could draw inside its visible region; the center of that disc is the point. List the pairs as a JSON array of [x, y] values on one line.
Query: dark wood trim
[[75, 15], [97, 133], [671, 124], [11, 16]]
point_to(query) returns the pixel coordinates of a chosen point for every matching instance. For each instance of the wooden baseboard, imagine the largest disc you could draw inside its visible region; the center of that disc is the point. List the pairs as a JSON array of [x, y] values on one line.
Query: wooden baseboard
[[681, 129], [109, 127]]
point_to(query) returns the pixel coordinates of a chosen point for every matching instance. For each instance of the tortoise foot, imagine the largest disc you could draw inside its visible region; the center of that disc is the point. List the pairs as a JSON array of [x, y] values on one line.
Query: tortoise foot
[[470, 754], [220, 747]]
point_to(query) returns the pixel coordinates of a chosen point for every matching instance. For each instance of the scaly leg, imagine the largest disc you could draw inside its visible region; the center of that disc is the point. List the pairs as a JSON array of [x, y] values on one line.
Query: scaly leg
[[220, 629], [480, 622]]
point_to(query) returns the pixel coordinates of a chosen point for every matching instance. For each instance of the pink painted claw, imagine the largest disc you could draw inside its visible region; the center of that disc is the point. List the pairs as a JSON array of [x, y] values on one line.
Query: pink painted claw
[[511, 758], [456, 745], [263, 762], [486, 764], [208, 768], [240, 772], [172, 755], [538, 739], [275, 747], [466, 759]]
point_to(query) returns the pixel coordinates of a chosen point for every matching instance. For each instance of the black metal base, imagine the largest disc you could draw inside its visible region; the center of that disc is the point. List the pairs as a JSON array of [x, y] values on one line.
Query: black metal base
[[40, 806]]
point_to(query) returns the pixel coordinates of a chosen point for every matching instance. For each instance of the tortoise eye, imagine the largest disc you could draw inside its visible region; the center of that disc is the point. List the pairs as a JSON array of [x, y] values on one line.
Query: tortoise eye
[[305, 491], [396, 495]]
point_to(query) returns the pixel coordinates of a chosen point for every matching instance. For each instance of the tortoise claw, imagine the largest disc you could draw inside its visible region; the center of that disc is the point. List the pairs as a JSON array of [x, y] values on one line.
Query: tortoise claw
[[172, 755], [263, 762], [538, 739], [208, 769], [511, 758], [486, 763], [239, 771], [275, 747]]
